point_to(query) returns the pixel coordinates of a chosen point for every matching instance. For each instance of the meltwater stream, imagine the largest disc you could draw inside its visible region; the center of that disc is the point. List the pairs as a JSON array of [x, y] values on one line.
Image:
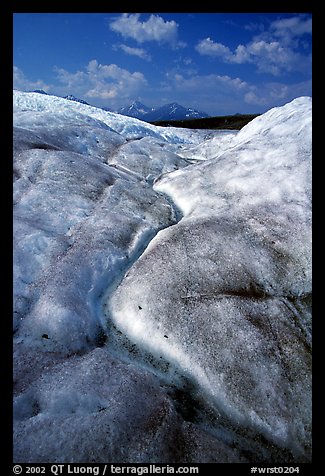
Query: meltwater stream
[[189, 397], [120, 344]]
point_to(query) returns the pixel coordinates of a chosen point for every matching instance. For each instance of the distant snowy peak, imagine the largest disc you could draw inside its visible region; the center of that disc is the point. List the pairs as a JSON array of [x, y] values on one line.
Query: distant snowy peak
[[73, 98], [129, 127], [70, 97], [138, 110], [40, 91], [135, 109], [168, 112], [174, 111]]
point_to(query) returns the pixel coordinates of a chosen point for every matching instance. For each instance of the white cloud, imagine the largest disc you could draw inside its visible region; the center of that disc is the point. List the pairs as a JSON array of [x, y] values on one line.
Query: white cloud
[[269, 57], [111, 81], [276, 93], [101, 81], [289, 28], [139, 52], [207, 83], [252, 98], [210, 92], [240, 56], [20, 82], [274, 51], [154, 29], [223, 94], [209, 48], [71, 80], [97, 70]]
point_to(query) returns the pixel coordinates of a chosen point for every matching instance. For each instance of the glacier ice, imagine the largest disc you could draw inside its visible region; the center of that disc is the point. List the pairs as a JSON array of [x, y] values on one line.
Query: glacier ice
[[128, 127], [227, 283], [98, 409], [162, 286]]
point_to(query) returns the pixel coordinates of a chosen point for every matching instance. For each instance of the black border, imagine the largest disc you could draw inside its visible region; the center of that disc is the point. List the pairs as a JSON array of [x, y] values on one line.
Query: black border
[[6, 47]]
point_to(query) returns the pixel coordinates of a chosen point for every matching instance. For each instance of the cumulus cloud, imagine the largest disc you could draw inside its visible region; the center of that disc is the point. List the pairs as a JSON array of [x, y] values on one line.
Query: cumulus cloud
[[154, 29], [101, 82], [129, 50], [20, 82], [210, 48], [71, 80], [274, 51], [209, 83], [270, 57], [208, 92], [230, 95], [98, 81], [289, 28], [275, 93], [111, 81]]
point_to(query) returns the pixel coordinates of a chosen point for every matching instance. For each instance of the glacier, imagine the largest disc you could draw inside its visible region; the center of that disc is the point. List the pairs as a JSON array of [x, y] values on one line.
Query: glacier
[[162, 287]]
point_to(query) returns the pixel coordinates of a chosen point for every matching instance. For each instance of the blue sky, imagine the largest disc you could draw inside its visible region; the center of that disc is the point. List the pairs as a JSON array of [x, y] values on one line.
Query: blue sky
[[220, 63]]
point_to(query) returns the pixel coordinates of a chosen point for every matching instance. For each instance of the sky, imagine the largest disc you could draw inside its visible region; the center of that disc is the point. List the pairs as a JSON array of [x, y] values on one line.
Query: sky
[[218, 63]]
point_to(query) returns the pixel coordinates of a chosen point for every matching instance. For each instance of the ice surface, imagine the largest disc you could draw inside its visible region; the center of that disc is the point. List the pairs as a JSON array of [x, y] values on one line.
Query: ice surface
[[161, 308], [75, 133], [70, 234], [228, 285], [98, 409], [148, 158], [129, 127]]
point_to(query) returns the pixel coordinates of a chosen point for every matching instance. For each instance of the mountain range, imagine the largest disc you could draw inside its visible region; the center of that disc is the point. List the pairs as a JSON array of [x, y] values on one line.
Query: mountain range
[[168, 112]]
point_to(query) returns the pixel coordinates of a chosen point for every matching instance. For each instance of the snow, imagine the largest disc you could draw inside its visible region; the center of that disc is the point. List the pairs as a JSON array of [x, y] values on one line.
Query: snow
[[162, 287], [227, 273], [130, 128]]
